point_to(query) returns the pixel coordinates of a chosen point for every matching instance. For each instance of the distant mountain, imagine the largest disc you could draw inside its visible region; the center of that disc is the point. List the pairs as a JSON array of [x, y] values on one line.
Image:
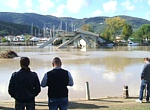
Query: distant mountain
[[135, 22], [50, 21], [29, 18], [13, 28]]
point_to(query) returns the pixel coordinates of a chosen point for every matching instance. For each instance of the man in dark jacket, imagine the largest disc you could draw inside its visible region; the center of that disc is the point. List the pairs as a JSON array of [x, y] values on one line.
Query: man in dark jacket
[[145, 81], [57, 81], [24, 86]]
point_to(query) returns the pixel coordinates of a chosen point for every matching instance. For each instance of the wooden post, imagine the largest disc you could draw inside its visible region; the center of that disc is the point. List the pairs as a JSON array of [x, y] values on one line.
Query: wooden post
[[87, 91], [125, 92], [145, 92]]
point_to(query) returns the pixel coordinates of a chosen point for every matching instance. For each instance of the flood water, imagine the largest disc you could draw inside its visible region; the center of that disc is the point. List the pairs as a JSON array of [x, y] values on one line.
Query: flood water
[[106, 70]]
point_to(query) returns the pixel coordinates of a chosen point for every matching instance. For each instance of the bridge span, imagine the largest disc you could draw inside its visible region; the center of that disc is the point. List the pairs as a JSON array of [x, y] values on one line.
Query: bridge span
[[74, 38]]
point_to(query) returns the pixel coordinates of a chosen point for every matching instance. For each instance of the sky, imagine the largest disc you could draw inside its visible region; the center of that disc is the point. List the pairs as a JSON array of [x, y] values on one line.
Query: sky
[[79, 8]]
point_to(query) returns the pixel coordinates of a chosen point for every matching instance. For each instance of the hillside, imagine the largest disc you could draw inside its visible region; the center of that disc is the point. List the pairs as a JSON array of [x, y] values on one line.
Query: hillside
[[15, 29], [50, 21], [135, 22]]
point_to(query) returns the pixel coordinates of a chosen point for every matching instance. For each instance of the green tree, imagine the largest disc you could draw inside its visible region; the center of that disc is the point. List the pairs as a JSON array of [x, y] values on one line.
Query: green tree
[[145, 31], [4, 39], [27, 37], [142, 33], [127, 31], [87, 27], [106, 34], [114, 25], [4, 32]]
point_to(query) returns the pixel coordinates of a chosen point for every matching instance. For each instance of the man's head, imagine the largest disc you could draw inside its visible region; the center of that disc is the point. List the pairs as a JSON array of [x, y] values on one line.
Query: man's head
[[146, 60], [24, 62], [56, 62]]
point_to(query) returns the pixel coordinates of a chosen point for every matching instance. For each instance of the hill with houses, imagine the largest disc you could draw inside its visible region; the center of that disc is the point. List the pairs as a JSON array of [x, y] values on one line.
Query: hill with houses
[[16, 23]]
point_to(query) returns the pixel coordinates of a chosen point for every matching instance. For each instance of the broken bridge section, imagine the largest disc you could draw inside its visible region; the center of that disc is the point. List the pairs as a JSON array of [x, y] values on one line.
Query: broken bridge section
[[74, 38]]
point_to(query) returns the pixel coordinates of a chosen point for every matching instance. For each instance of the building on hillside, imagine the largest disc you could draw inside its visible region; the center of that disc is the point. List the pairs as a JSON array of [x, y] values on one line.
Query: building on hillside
[[9, 38]]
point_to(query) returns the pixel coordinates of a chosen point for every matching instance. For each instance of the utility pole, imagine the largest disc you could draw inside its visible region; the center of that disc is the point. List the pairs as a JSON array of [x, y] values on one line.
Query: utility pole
[[53, 30], [66, 26], [32, 29], [44, 30], [35, 33]]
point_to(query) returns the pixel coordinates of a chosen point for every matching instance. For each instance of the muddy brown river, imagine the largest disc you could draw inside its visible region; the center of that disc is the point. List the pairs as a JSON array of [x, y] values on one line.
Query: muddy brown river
[[106, 69]]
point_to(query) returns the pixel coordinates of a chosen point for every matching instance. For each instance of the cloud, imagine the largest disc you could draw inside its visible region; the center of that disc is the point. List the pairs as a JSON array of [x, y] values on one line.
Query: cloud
[[44, 5], [148, 15], [59, 10], [32, 11], [28, 3], [97, 13], [57, 0], [74, 6], [148, 2], [12, 3], [110, 6], [109, 76], [136, 1], [127, 5]]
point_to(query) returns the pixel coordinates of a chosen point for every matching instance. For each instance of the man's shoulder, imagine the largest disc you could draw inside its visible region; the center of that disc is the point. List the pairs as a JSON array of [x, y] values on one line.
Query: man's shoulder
[[148, 65], [65, 70], [14, 73], [33, 73], [57, 69]]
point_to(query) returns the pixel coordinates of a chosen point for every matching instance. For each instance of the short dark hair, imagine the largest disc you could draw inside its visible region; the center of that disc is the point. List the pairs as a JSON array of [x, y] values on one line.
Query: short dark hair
[[24, 61], [57, 61], [147, 59]]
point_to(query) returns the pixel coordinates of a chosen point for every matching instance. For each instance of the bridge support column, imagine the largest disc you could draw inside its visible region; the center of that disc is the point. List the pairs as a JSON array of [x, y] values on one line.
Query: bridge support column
[[95, 43], [77, 43]]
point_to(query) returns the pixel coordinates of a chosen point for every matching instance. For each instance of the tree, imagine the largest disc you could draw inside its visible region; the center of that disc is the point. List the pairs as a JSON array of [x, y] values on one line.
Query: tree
[[145, 31], [27, 37], [127, 31], [142, 33], [114, 25], [3, 32], [87, 27], [4, 39], [106, 34]]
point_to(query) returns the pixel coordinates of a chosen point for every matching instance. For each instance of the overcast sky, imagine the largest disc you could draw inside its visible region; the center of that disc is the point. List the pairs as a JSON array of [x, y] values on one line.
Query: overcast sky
[[79, 8]]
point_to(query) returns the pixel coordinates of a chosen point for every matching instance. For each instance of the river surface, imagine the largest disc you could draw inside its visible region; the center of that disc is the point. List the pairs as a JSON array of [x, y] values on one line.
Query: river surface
[[106, 69]]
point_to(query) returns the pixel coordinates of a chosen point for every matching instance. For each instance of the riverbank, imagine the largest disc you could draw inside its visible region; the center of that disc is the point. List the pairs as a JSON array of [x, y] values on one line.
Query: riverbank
[[110, 103], [18, 44]]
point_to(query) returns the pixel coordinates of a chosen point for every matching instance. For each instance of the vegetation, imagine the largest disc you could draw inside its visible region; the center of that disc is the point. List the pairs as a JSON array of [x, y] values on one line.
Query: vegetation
[[142, 34], [87, 27], [106, 34], [7, 28], [136, 29], [57, 42], [118, 26], [27, 37], [97, 23], [8, 54], [113, 27], [4, 39], [127, 31], [4, 32]]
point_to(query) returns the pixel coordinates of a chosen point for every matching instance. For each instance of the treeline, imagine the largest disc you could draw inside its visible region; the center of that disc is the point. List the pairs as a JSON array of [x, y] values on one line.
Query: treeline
[[7, 28], [119, 27], [142, 34]]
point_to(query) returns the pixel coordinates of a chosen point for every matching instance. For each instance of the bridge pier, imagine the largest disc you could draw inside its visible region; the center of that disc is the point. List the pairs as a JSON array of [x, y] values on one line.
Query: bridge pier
[[64, 39], [95, 42]]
